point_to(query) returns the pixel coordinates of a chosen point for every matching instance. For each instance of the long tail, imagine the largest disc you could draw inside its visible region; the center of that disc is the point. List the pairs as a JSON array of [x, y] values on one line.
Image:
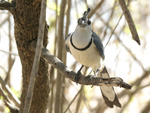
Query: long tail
[[108, 92]]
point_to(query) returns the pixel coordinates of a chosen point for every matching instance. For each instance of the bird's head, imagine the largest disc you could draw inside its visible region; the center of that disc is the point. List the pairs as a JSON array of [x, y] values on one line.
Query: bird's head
[[84, 21]]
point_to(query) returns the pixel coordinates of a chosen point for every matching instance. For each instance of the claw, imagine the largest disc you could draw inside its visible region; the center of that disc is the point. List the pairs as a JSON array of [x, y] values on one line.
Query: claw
[[92, 76]]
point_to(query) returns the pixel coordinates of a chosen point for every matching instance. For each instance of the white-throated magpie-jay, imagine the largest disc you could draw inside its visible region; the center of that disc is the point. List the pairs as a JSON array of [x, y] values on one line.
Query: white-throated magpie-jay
[[87, 48]]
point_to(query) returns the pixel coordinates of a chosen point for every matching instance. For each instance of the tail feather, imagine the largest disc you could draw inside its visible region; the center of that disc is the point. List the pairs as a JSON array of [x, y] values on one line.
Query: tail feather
[[108, 92]]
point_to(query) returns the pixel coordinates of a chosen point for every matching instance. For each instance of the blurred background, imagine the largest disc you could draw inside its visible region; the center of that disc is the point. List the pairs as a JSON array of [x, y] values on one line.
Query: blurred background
[[123, 56]]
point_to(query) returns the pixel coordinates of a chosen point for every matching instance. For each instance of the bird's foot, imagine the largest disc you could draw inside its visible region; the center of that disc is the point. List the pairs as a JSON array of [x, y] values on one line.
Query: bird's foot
[[77, 77], [90, 78]]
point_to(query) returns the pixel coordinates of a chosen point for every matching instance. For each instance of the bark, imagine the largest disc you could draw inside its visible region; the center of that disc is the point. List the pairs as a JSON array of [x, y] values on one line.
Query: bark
[[26, 17], [130, 21]]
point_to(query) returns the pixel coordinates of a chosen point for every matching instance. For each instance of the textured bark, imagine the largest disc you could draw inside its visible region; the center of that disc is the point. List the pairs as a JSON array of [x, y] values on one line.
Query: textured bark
[[26, 19]]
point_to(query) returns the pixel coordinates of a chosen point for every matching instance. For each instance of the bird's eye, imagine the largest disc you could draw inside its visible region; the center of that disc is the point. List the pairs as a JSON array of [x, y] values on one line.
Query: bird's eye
[[89, 22]]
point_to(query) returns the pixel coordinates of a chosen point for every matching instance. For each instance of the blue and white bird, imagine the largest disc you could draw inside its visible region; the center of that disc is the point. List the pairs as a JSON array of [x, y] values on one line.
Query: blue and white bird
[[87, 48]]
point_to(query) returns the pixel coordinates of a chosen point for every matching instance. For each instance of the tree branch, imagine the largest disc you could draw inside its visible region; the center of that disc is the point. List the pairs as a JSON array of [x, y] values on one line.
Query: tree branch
[[12, 108], [8, 6], [68, 73], [4, 95], [73, 100], [146, 108], [10, 93], [114, 30], [129, 21], [95, 9]]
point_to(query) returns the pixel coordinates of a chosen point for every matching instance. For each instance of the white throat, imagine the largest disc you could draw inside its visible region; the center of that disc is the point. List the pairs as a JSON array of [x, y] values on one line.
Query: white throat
[[81, 36]]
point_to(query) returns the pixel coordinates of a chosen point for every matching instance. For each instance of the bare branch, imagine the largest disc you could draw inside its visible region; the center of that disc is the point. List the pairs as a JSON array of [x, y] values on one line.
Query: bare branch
[[60, 80], [129, 51], [10, 93], [111, 15], [146, 108], [129, 21], [73, 100], [113, 30], [4, 95], [12, 108], [9, 52], [68, 73], [36, 57], [95, 9], [131, 94]]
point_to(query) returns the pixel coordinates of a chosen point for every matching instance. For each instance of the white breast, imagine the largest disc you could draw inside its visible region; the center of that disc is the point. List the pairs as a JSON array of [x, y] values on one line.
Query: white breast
[[81, 37], [90, 57]]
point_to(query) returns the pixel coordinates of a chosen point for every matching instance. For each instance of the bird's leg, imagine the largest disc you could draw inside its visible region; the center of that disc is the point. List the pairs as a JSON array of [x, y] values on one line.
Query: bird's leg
[[95, 75], [92, 76], [78, 74]]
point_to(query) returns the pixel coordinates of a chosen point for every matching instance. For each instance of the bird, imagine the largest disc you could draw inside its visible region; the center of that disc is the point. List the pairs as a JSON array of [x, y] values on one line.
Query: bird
[[87, 48]]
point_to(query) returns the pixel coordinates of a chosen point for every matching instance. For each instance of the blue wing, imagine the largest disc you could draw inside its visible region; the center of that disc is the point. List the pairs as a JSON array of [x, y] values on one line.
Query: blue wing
[[98, 44], [66, 42]]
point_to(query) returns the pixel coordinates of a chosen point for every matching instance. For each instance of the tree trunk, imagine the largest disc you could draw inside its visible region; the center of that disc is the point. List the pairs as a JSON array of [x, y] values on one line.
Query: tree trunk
[[26, 17]]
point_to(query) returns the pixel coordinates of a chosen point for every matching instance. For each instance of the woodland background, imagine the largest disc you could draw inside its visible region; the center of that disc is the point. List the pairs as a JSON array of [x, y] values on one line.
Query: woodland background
[[124, 57]]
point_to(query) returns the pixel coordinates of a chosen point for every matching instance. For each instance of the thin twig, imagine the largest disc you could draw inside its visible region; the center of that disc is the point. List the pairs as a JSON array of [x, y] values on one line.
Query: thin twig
[[129, 21], [59, 80], [81, 95], [4, 95], [77, 13], [111, 14], [135, 83], [130, 52], [11, 95], [8, 72], [73, 100], [52, 69], [113, 30], [8, 52], [67, 101], [36, 58], [78, 103], [125, 46], [131, 94], [95, 9], [12, 108], [146, 108]]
